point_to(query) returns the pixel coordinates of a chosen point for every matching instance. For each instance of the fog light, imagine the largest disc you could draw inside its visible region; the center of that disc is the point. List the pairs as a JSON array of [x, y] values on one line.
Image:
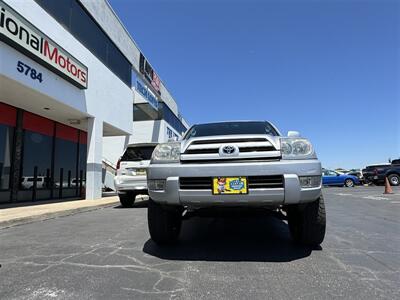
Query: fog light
[[156, 184], [310, 181]]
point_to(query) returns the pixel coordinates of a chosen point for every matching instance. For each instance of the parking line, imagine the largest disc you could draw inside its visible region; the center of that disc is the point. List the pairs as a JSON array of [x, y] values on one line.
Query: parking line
[[375, 198]]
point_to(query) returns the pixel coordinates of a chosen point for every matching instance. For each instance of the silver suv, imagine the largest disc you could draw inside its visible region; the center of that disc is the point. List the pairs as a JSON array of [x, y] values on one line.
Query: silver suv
[[241, 164], [131, 172]]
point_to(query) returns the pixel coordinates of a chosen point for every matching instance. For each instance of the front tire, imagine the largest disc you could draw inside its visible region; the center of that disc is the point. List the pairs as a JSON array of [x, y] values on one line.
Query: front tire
[[307, 222], [164, 222], [394, 179], [349, 183], [127, 200]]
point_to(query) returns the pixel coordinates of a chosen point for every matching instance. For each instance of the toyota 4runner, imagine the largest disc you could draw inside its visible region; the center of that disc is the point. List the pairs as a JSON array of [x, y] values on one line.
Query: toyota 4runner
[[242, 164]]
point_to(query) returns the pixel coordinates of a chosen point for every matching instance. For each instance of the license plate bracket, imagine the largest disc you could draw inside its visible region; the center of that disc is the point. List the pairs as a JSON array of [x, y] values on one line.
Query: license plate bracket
[[236, 185]]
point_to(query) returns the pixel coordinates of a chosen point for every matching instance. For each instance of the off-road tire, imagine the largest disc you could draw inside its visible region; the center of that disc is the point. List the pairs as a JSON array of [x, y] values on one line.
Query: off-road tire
[[164, 222], [307, 222], [128, 199], [394, 179]]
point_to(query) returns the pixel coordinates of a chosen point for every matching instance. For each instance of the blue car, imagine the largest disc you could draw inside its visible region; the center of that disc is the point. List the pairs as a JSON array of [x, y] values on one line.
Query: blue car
[[330, 177]]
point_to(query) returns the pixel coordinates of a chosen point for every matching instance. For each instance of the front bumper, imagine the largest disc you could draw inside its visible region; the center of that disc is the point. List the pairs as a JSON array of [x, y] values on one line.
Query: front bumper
[[291, 193], [124, 183]]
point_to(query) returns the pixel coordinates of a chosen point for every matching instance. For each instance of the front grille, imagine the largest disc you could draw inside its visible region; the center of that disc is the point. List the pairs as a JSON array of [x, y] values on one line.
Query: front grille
[[195, 183], [256, 149], [227, 141], [250, 148], [265, 182], [254, 182], [202, 151], [231, 160], [241, 149]]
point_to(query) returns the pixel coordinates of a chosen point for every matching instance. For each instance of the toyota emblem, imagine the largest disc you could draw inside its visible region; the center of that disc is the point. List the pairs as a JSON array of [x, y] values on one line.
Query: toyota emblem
[[228, 150]]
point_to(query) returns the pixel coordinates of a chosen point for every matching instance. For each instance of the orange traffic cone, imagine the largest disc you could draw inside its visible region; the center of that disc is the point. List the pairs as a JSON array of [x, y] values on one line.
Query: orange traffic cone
[[388, 188]]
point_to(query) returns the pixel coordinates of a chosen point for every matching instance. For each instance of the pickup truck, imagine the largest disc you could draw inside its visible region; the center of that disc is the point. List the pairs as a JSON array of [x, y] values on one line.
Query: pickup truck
[[377, 173], [236, 165]]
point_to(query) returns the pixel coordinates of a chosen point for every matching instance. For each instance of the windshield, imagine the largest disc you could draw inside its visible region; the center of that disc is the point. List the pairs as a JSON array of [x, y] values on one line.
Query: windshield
[[230, 128], [138, 153]]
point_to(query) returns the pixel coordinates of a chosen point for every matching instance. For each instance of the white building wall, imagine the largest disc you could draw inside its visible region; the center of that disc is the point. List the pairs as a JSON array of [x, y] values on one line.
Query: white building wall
[[107, 102], [94, 101], [104, 108]]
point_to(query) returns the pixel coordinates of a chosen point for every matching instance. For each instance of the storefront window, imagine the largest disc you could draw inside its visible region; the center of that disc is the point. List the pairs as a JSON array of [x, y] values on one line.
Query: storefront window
[[6, 141], [65, 160], [82, 158], [8, 118], [53, 157], [37, 151]]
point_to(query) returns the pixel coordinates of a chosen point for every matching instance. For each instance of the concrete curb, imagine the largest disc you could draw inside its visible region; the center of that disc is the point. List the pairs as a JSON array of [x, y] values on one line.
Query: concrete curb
[[51, 215]]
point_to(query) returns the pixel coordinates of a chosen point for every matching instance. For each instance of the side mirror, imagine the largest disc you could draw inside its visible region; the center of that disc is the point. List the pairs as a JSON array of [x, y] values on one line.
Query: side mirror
[[173, 139], [293, 134]]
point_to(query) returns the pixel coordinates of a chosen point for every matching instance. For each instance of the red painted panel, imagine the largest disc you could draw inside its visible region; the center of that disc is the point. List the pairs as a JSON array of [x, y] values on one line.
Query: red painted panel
[[66, 133], [38, 124], [8, 115], [83, 138]]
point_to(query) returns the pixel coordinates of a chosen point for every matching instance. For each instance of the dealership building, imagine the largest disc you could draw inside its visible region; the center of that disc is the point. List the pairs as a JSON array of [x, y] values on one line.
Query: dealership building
[[75, 90]]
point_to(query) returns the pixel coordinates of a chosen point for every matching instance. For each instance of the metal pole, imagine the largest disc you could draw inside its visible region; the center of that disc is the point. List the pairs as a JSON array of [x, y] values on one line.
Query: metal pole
[[34, 187], [80, 182], [47, 182], [61, 183], [69, 178]]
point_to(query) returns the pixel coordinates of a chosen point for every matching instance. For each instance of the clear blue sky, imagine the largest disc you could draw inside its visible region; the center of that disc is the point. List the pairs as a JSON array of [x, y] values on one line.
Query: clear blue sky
[[329, 69]]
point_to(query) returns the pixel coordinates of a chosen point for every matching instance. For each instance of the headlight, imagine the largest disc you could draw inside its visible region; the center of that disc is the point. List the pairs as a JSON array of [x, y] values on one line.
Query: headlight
[[166, 153], [295, 148]]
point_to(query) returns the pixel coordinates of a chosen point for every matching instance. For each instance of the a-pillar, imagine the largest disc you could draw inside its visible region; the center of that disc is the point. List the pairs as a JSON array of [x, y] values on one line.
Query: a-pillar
[[94, 159]]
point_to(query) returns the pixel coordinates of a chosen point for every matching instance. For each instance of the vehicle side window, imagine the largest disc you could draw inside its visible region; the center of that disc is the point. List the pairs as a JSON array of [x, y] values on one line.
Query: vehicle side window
[[331, 173]]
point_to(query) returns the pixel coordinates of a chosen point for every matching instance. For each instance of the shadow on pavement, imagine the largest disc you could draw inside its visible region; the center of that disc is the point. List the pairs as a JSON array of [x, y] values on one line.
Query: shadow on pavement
[[35, 203], [137, 204], [261, 239]]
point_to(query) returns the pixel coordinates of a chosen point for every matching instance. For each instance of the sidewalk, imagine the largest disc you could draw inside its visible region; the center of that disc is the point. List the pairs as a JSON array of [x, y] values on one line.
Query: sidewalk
[[28, 213]]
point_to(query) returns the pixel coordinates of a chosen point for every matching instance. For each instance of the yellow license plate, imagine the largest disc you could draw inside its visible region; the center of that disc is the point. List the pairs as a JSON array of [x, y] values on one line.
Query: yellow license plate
[[229, 185]]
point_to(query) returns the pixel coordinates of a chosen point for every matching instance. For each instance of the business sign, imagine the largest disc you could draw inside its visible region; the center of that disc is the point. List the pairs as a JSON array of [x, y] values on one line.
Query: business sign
[[145, 91], [18, 32], [146, 69]]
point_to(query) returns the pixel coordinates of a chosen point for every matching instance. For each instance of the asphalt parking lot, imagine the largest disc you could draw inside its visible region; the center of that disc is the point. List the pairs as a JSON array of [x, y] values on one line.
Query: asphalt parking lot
[[107, 254]]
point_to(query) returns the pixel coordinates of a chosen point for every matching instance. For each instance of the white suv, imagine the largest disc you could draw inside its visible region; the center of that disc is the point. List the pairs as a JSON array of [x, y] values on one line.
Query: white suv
[[131, 178]]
